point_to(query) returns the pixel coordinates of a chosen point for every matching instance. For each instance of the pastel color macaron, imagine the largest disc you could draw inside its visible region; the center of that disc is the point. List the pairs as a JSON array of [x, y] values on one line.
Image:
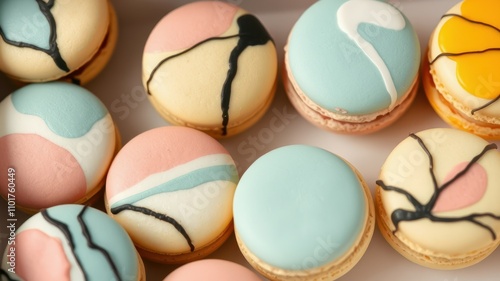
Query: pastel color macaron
[[460, 72], [172, 189], [351, 66], [60, 139], [72, 242], [212, 270], [56, 40], [437, 198], [302, 213], [212, 66]]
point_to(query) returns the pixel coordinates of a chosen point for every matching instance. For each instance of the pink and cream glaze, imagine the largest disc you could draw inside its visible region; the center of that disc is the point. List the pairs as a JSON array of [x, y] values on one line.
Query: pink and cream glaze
[[186, 62], [454, 218], [172, 188]]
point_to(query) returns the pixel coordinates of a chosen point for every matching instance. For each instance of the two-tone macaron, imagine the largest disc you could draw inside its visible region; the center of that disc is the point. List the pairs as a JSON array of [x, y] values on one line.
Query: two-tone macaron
[[461, 71], [172, 189], [71, 242], [59, 139], [352, 66], [212, 66], [437, 198], [56, 39], [303, 213]]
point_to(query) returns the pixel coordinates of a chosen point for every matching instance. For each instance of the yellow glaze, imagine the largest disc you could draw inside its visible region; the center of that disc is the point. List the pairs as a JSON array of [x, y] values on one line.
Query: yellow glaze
[[479, 31]]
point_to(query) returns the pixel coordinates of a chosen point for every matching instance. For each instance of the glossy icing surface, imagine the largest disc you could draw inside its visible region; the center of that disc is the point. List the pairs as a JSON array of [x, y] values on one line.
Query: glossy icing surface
[[38, 38], [213, 73], [176, 182], [295, 188], [70, 131], [329, 49], [88, 244], [464, 56], [459, 213], [212, 270]]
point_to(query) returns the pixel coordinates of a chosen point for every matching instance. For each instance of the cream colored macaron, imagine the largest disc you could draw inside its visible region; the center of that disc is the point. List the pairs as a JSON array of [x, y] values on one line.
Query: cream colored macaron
[[212, 66], [437, 198], [56, 40], [461, 68]]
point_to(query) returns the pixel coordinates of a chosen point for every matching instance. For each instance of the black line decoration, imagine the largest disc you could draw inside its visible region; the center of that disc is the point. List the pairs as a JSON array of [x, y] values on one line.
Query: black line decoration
[[424, 211], [473, 111], [67, 233], [92, 245], [162, 217], [251, 33], [53, 50]]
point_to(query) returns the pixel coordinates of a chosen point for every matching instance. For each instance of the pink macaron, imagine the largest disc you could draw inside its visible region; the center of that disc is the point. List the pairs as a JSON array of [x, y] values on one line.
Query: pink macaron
[[212, 270]]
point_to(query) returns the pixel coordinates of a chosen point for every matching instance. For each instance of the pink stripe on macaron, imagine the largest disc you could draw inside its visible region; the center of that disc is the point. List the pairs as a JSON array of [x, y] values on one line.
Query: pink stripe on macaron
[[40, 257], [155, 151], [192, 23], [46, 174]]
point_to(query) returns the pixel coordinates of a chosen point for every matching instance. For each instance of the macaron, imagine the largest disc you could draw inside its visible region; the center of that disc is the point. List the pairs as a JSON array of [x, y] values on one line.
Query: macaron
[[212, 270], [212, 66], [58, 139], [352, 66], [460, 73], [71, 242], [172, 189], [56, 39], [437, 198], [302, 213]]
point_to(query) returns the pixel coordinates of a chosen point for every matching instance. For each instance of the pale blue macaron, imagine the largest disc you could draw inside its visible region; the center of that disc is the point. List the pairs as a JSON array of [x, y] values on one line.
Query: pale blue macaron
[[352, 65], [302, 211]]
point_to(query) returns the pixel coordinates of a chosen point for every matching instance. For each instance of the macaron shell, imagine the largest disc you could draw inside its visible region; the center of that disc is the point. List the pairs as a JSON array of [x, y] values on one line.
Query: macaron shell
[[89, 244], [80, 28], [321, 252], [174, 73], [407, 167], [62, 149], [445, 69], [324, 119], [176, 173], [450, 115], [212, 270], [320, 48]]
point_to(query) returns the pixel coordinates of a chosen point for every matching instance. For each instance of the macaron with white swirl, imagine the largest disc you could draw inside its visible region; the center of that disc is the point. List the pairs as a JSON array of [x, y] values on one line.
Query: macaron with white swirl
[[351, 66], [60, 139], [71, 242], [172, 189]]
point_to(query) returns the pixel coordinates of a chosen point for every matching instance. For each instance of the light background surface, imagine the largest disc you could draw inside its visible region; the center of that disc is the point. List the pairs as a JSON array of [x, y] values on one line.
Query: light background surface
[[119, 87]]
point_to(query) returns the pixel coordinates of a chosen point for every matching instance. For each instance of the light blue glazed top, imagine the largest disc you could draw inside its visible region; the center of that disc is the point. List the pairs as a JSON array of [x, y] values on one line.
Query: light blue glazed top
[[23, 21], [68, 110], [299, 207], [106, 234], [332, 69]]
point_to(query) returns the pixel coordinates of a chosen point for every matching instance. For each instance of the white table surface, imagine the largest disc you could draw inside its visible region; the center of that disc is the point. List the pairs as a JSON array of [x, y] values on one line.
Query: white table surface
[[119, 87]]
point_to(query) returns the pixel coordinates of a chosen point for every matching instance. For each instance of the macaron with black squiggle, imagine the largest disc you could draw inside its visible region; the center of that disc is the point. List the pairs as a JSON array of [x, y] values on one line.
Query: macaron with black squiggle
[[50, 40], [212, 66], [172, 189], [461, 73], [60, 139], [351, 66], [72, 242]]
